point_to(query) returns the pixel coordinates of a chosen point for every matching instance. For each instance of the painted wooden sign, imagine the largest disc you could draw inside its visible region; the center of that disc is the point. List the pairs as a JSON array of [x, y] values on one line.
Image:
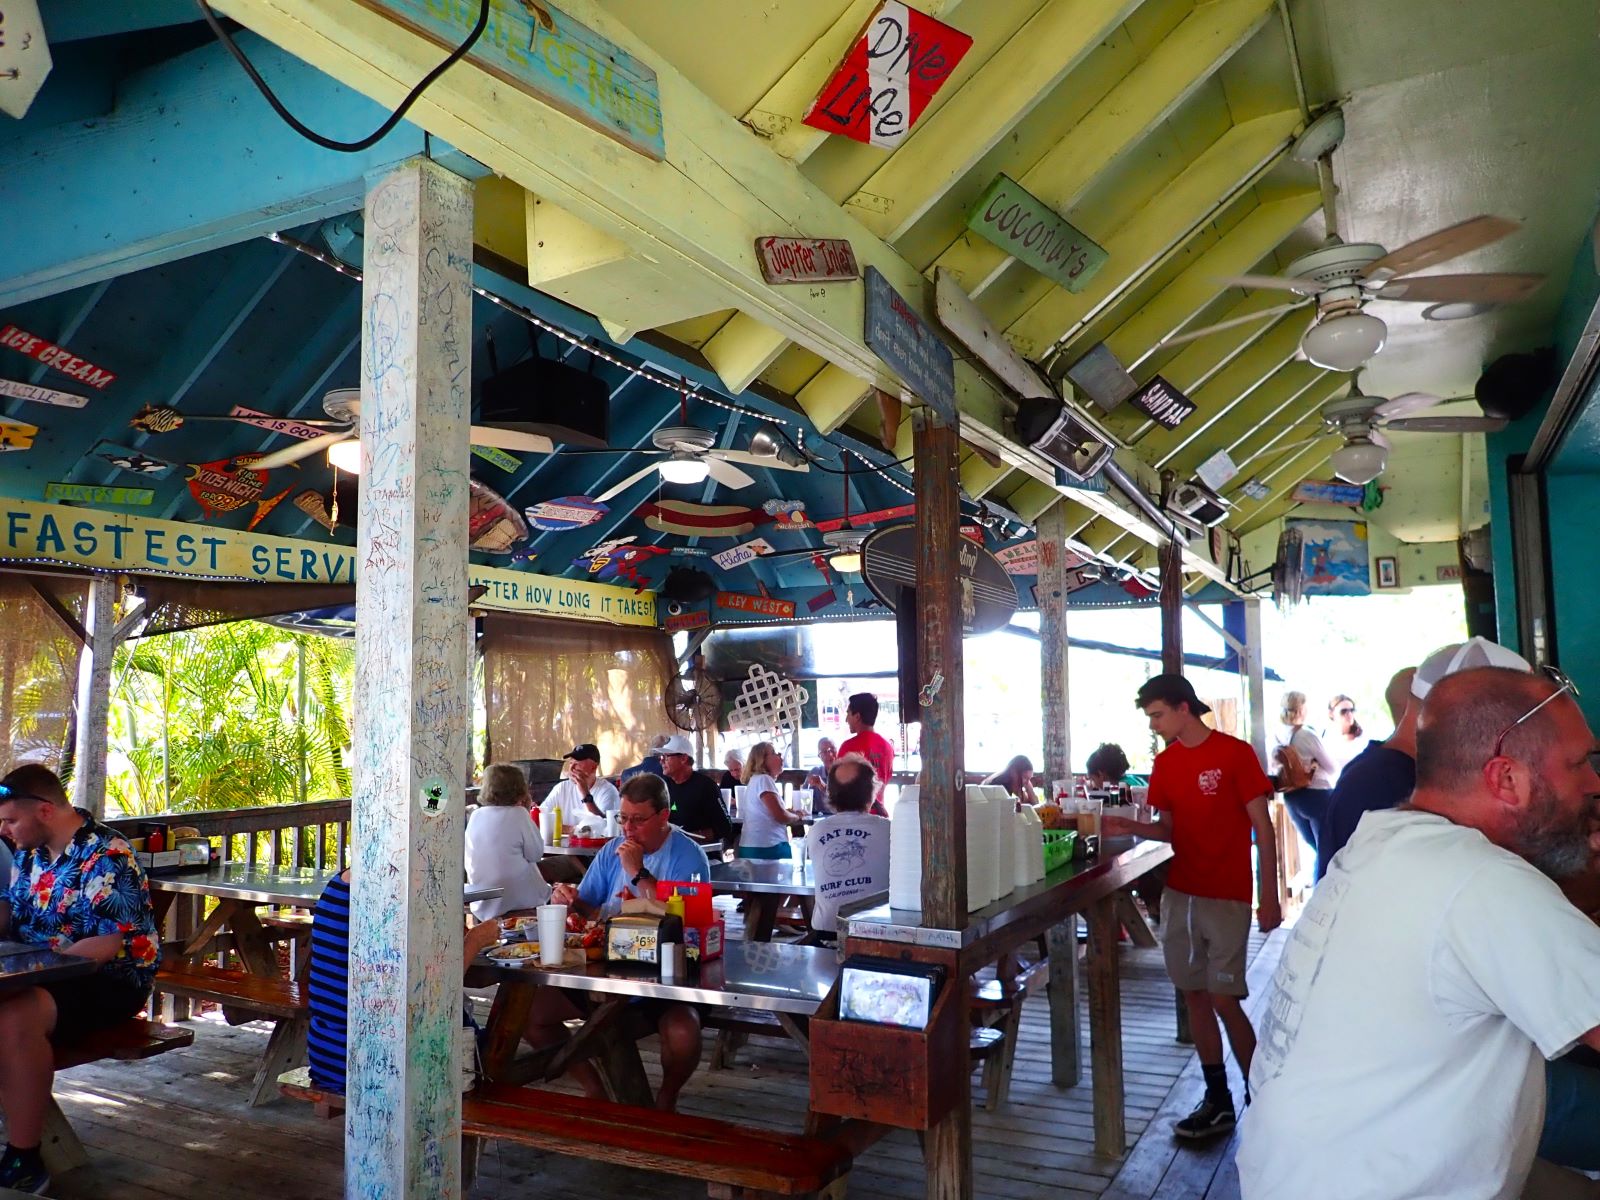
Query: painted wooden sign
[[914, 351], [314, 506], [24, 56], [540, 50], [1020, 559], [739, 555], [764, 606], [493, 526], [564, 512], [16, 435], [1025, 228], [787, 514], [897, 513], [225, 485], [83, 493], [806, 260], [498, 457], [676, 622], [1328, 491], [988, 597], [52, 355], [40, 395], [700, 520], [891, 72], [821, 600], [135, 462], [287, 426], [1162, 403]]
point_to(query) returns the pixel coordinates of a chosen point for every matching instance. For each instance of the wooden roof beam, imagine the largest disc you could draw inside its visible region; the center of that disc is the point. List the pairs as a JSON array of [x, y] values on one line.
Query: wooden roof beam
[[1258, 427], [1145, 97], [742, 349]]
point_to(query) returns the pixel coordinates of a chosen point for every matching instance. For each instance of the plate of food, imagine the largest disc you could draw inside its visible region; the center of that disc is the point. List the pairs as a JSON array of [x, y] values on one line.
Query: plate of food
[[515, 953]]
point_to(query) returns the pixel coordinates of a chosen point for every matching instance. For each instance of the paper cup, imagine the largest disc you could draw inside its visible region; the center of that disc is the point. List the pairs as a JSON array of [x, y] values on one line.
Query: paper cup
[[552, 934]]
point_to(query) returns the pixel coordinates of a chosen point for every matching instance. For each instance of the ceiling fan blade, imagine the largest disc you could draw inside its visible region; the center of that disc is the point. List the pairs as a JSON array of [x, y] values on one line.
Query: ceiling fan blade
[[758, 460], [1440, 246], [1461, 289], [727, 474], [1282, 283], [1446, 424], [1263, 315], [617, 489], [300, 450], [1406, 403], [511, 439], [1272, 451], [1375, 436]]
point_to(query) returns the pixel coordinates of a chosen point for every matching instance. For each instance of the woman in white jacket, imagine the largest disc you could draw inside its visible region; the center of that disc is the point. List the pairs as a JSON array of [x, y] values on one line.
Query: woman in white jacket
[[1306, 798], [504, 846]]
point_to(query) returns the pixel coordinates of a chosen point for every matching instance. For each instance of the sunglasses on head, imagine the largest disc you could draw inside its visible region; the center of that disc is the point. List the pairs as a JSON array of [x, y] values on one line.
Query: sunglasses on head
[[1345, 712], [11, 793], [1566, 686]]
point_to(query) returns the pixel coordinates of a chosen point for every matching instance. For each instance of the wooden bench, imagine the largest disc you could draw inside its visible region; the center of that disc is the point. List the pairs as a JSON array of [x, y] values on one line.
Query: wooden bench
[[735, 1162], [133, 1040], [297, 1085], [997, 1004], [249, 997]]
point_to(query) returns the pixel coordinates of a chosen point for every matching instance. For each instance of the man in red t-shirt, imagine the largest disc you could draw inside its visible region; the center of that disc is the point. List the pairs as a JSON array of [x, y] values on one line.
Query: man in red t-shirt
[[1211, 795], [861, 714]]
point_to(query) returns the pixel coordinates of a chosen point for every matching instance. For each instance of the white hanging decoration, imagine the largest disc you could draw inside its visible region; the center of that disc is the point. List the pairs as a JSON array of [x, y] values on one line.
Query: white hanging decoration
[[768, 705]]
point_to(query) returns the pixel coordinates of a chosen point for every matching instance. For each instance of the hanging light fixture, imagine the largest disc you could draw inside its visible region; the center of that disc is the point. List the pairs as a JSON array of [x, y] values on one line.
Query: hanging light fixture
[[1359, 461], [346, 456], [683, 468], [847, 561], [1344, 341]]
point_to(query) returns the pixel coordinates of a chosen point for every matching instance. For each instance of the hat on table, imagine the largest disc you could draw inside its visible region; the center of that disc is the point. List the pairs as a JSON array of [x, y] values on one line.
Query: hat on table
[[1463, 656], [677, 744], [585, 750]]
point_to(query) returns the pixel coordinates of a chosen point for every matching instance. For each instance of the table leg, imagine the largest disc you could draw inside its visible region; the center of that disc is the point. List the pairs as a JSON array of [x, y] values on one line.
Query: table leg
[[1105, 1029], [947, 1151], [508, 1017], [622, 1070], [760, 917], [1066, 1060], [251, 941]]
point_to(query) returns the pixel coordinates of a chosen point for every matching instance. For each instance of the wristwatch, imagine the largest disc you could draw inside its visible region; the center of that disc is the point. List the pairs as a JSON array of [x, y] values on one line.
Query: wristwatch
[[644, 873]]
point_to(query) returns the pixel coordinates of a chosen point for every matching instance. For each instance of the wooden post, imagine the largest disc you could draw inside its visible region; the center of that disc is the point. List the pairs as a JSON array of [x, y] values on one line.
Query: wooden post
[[1105, 1029], [94, 697], [947, 1153], [1172, 607], [1256, 673], [412, 689]]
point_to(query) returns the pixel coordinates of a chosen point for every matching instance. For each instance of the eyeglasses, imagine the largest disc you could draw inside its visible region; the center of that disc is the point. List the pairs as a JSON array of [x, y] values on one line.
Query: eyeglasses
[[633, 822], [1566, 686], [1345, 712]]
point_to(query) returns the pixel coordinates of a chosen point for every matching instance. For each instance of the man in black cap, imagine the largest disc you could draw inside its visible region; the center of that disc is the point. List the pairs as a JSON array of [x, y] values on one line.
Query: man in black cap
[[583, 797], [1210, 794]]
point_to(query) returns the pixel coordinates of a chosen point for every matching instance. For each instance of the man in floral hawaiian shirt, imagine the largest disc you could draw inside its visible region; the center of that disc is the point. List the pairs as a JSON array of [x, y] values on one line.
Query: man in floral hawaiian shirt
[[78, 890]]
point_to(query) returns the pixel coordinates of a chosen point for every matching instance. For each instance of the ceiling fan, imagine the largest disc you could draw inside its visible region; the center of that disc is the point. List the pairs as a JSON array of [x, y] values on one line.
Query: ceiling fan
[[1361, 419], [1339, 279], [343, 405], [689, 454]]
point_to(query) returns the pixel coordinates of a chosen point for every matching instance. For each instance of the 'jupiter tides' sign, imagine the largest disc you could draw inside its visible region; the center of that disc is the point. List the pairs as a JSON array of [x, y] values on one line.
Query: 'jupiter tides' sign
[[1022, 226]]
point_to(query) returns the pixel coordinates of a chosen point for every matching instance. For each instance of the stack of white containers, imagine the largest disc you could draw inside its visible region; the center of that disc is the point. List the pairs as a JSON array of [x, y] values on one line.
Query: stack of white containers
[[982, 878], [905, 851], [1030, 847], [1005, 819]]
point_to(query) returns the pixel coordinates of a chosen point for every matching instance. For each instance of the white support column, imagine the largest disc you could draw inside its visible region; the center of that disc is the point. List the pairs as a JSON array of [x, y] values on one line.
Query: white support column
[[91, 743], [412, 690], [1256, 673], [1052, 588]]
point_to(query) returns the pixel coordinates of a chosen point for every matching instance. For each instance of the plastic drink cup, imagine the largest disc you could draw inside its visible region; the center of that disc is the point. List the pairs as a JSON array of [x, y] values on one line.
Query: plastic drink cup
[[552, 934]]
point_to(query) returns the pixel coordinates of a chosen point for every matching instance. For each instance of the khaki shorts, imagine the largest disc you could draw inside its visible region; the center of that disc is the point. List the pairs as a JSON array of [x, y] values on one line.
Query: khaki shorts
[[1205, 943]]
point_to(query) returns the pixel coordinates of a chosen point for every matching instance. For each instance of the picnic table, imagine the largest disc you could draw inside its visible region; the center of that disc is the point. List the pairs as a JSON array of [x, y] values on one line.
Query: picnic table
[[763, 883], [25, 965], [786, 980]]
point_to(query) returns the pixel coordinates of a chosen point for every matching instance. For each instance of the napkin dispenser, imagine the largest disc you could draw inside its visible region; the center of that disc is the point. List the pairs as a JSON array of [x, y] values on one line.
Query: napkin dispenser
[[637, 937], [194, 852]]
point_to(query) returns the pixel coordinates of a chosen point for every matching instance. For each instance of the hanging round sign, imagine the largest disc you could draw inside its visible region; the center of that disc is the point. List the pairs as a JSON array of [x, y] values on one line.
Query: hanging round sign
[[988, 597]]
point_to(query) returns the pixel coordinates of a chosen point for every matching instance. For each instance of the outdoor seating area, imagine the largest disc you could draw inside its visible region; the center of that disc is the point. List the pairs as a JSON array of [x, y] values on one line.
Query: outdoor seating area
[[818, 598]]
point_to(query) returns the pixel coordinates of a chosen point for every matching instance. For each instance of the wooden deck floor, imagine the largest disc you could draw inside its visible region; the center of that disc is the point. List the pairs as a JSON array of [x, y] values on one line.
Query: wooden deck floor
[[177, 1127]]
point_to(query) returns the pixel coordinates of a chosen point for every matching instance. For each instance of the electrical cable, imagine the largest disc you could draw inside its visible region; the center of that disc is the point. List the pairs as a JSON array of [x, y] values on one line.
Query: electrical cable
[[310, 134]]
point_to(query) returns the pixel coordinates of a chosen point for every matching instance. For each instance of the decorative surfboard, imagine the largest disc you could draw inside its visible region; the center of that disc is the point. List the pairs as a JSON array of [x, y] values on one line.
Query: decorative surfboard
[[564, 512], [701, 520], [493, 526], [988, 597]]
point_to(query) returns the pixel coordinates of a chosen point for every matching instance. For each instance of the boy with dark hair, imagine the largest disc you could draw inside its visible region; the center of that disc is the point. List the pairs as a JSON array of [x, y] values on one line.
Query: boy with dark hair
[[1210, 794]]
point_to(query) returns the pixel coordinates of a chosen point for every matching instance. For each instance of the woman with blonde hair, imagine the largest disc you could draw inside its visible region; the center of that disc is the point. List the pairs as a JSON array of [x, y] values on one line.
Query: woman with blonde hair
[[766, 820], [504, 846], [1305, 770]]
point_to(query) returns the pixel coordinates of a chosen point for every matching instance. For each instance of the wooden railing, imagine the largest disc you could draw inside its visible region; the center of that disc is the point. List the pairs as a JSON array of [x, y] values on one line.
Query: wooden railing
[[278, 835]]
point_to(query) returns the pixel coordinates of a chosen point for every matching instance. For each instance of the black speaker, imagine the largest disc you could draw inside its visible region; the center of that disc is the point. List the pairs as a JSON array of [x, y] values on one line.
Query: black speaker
[[687, 585], [541, 395], [1514, 384], [905, 636]]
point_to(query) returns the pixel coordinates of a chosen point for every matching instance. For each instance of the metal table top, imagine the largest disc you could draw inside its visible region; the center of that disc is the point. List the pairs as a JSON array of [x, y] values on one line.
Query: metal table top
[[712, 849], [22, 965], [769, 976], [258, 885], [763, 876]]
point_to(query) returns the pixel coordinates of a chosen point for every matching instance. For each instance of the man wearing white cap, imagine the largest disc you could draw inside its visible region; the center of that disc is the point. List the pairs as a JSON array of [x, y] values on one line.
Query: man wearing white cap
[[696, 803], [1384, 774]]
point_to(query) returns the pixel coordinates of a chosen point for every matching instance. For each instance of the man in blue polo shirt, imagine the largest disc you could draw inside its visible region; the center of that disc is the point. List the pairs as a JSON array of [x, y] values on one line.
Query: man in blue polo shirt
[[650, 849]]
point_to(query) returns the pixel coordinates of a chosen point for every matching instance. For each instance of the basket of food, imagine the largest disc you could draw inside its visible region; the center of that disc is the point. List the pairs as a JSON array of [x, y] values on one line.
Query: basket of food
[[1059, 847], [587, 843]]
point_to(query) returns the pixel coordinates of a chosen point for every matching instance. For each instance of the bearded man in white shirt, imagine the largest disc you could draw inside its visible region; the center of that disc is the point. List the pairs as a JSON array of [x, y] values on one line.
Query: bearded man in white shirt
[[1437, 966]]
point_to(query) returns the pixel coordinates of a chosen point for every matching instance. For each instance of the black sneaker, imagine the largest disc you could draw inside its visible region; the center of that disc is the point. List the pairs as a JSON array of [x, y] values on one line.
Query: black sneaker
[[24, 1173], [1209, 1119]]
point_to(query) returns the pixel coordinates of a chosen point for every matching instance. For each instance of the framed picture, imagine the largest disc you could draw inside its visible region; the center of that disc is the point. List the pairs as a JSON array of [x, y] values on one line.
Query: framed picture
[[1388, 573], [1333, 560]]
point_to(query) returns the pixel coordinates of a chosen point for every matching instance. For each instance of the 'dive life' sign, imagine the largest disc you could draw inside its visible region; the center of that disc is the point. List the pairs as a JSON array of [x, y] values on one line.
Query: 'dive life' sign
[[1022, 226], [894, 67]]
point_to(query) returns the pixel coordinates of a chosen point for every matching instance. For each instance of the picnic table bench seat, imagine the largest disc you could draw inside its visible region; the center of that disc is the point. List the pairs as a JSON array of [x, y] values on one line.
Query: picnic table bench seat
[[245, 996], [131, 1041]]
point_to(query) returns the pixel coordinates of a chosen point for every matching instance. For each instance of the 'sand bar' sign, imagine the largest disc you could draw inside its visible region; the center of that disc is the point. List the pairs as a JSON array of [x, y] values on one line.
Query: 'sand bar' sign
[[1025, 228], [540, 50], [894, 67], [806, 260], [1162, 403], [899, 336]]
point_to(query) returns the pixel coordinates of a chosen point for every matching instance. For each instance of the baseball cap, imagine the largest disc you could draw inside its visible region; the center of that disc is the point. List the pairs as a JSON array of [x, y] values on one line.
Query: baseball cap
[[584, 750], [1173, 690], [676, 745], [1463, 656]]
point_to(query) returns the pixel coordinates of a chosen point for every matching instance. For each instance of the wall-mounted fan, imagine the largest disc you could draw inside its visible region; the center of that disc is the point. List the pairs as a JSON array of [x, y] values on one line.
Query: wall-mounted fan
[[343, 448], [695, 703]]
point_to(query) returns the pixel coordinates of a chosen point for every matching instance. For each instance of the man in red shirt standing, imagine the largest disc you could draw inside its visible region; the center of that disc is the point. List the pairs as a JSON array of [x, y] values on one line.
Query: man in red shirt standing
[[861, 714], [1211, 794]]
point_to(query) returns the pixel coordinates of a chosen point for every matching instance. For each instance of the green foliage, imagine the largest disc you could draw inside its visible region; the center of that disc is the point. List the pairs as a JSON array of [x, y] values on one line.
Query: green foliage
[[213, 715]]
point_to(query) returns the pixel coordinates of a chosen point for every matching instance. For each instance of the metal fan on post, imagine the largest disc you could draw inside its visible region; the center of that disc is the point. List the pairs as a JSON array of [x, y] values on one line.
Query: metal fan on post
[[694, 705]]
